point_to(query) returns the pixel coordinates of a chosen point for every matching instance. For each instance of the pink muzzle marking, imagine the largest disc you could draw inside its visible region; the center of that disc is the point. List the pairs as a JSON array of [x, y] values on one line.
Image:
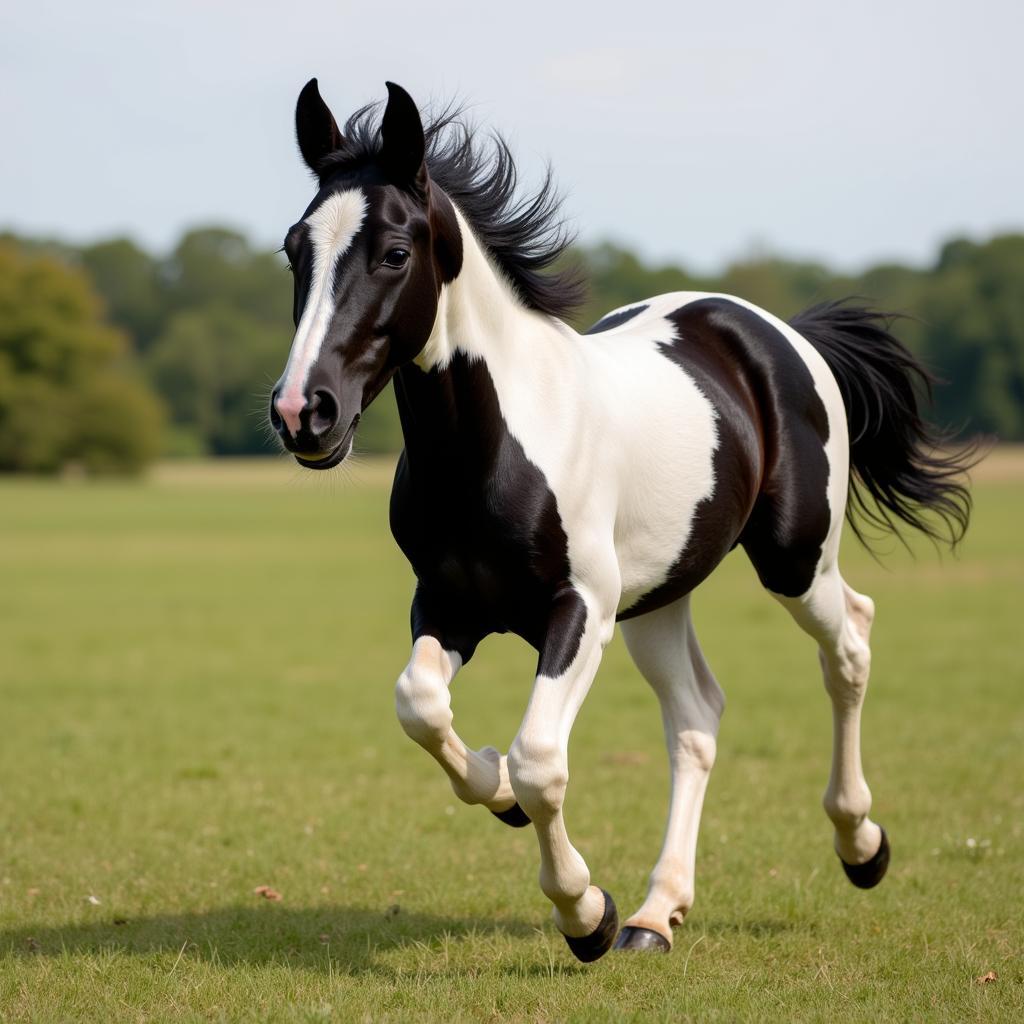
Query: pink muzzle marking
[[289, 406]]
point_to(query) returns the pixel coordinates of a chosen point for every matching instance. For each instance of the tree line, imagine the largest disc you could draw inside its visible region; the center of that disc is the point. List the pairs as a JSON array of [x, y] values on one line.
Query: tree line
[[111, 355]]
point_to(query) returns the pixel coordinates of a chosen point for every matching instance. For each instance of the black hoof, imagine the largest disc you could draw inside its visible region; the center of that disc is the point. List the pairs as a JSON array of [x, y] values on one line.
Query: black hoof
[[642, 940], [514, 816], [871, 872], [594, 946]]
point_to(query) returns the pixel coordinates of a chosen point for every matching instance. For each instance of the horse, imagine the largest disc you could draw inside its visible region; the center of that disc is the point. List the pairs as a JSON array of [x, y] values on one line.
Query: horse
[[553, 484]]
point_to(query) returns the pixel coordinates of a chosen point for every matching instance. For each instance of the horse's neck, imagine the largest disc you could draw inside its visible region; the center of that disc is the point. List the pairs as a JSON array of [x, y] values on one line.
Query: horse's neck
[[480, 316], [486, 352]]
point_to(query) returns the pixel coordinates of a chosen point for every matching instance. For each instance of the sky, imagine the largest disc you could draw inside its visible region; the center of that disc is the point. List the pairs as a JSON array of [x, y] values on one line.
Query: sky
[[694, 133]]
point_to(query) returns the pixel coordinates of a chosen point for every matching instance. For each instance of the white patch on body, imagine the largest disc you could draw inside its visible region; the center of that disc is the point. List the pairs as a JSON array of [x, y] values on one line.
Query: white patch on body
[[624, 437], [332, 227]]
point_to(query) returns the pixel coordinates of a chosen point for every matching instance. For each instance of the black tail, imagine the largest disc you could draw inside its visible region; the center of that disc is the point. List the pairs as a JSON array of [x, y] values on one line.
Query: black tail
[[900, 468]]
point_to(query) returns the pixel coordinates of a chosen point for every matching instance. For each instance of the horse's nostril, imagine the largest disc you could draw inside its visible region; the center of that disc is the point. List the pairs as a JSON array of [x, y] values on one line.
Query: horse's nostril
[[275, 417], [323, 412]]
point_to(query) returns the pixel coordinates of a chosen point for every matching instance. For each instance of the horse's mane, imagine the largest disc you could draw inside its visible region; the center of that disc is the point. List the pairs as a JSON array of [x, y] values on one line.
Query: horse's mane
[[524, 234]]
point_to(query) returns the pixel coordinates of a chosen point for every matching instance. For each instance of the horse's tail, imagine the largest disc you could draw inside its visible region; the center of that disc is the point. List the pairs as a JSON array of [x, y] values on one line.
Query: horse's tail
[[901, 467]]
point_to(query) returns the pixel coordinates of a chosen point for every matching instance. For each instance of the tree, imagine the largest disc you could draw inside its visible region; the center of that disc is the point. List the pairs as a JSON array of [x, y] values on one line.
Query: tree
[[68, 393], [973, 315], [129, 281], [215, 266], [212, 325], [215, 366]]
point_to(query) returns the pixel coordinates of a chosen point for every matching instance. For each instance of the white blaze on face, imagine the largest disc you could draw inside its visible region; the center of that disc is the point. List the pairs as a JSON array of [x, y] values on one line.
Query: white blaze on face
[[332, 227]]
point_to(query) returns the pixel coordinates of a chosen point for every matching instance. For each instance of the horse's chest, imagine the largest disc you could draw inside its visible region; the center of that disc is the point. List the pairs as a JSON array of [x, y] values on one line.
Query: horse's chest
[[478, 567], [496, 553]]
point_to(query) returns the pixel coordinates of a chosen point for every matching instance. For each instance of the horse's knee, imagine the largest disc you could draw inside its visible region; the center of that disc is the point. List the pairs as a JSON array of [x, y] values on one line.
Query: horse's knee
[[539, 772], [423, 705]]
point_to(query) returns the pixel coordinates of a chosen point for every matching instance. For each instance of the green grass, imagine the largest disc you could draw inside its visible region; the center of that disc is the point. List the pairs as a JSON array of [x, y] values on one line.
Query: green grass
[[196, 677]]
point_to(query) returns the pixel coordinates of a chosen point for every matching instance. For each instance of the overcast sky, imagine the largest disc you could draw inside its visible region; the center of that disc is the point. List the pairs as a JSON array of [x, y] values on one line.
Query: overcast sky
[[694, 132]]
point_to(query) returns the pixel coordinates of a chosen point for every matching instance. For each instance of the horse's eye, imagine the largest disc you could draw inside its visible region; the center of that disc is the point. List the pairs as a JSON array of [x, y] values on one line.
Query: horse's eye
[[396, 258]]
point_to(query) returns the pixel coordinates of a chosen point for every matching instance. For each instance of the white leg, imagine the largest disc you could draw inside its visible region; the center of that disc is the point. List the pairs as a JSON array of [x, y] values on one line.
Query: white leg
[[840, 620], [423, 702], [539, 768], [664, 647]]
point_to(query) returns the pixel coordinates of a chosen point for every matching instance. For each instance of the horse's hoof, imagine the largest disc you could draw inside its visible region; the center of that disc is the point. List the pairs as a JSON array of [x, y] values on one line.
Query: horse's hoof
[[642, 940], [594, 946], [514, 816], [871, 872]]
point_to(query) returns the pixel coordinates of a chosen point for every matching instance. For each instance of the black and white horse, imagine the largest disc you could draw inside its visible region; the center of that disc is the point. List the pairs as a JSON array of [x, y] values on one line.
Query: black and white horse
[[553, 484]]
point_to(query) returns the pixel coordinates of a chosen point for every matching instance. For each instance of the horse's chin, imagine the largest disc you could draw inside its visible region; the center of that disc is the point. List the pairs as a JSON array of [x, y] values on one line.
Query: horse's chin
[[335, 457]]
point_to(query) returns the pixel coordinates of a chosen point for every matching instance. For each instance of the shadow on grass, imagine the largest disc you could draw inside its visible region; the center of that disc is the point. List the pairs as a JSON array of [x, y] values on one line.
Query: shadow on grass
[[345, 939], [754, 929], [562, 967]]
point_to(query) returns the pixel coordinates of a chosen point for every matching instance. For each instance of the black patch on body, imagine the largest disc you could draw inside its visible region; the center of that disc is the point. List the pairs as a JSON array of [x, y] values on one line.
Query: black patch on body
[[606, 323], [566, 623], [770, 467], [478, 522]]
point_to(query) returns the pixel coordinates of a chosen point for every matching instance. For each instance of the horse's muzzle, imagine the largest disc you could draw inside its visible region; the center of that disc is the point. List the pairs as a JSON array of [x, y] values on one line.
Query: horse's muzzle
[[333, 456]]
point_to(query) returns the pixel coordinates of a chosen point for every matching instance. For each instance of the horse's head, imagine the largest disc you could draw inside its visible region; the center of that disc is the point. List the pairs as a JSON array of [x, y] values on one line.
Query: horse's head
[[368, 257]]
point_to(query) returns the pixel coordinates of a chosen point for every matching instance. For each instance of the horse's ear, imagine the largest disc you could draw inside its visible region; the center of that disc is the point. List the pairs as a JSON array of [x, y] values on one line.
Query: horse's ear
[[315, 127], [403, 145]]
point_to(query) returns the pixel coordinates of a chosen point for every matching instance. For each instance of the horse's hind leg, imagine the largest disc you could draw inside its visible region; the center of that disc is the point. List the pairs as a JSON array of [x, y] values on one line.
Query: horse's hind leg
[[664, 647], [840, 620], [792, 539]]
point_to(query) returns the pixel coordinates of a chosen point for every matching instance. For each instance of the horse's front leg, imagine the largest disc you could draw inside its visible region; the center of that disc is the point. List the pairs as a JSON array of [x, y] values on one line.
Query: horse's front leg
[[538, 764], [423, 702]]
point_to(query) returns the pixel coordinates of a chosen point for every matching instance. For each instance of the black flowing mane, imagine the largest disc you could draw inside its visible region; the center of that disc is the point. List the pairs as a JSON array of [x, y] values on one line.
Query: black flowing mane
[[525, 235]]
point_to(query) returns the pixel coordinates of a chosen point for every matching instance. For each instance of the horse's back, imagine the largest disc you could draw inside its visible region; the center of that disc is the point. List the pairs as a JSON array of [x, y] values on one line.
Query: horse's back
[[775, 470]]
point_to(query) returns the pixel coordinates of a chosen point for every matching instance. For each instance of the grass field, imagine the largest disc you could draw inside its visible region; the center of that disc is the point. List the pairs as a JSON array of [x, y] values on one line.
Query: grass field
[[197, 674]]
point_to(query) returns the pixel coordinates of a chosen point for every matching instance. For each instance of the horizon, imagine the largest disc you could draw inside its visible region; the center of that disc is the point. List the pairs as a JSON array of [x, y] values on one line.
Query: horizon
[[754, 255]]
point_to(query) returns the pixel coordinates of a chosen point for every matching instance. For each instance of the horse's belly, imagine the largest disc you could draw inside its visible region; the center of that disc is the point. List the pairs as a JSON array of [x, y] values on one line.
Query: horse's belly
[[666, 474]]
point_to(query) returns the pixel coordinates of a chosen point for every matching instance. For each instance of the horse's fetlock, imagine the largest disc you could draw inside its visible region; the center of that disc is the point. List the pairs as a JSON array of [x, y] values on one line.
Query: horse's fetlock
[[567, 888], [673, 889], [684, 904], [849, 808]]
